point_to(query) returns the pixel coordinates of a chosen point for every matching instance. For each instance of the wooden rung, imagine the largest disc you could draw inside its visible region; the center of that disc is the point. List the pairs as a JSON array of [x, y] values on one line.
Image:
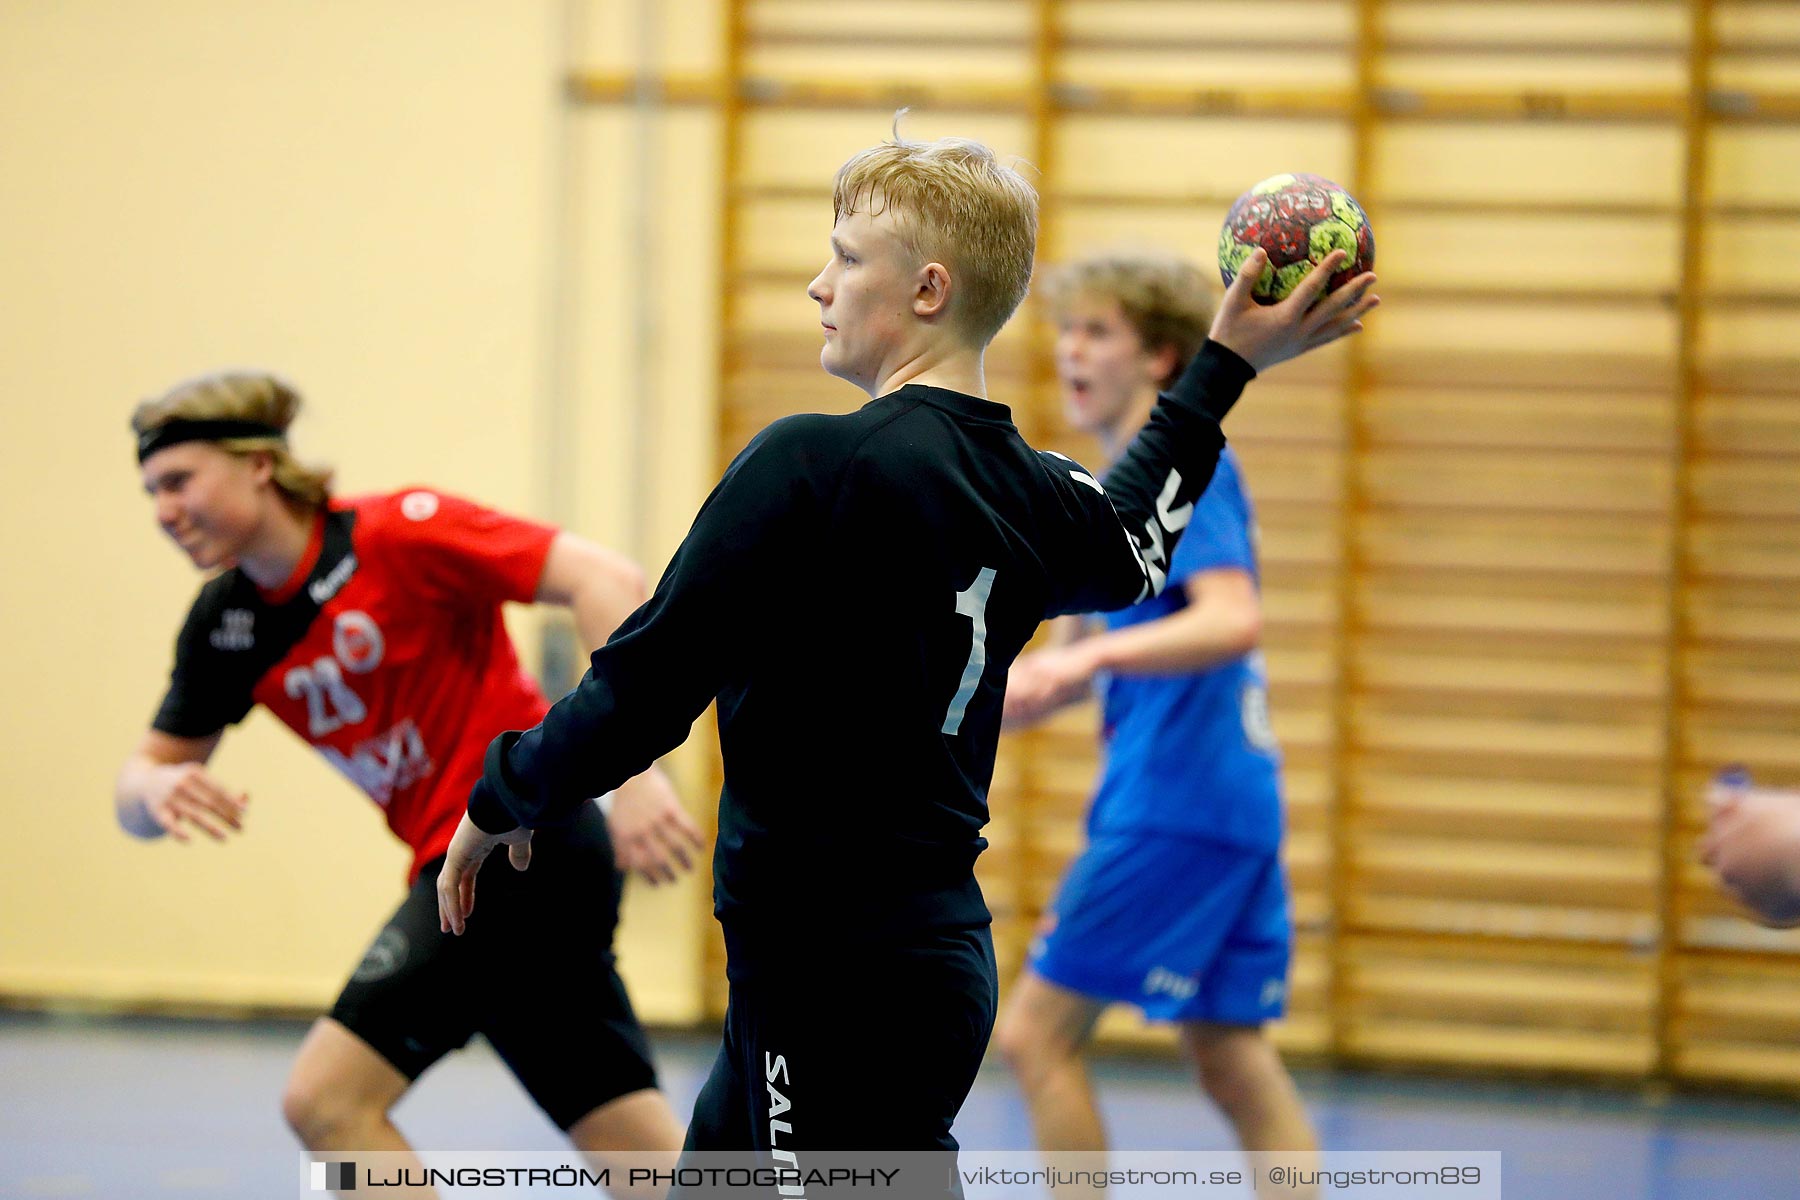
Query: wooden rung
[[1419, 1041], [1445, 103], [1429, 102], [1523, 552], [1491, 866], [1745, 694], [1485, 919], [1777, 749], [889, 37], [1384, 669], [1514, 371], [1410, 290], [1535, 47], [1503, 951], [1736, 934], [1720, 299], [1087, 95], [1753, 105], [1746, 1001], [1754, 211], [1128, 43], [1743, 560], [1602, 987], [1564, 828], [1767, 1026], [1632, 737], [1569, 422], [1508, 998], [1622, 621], [1469, 481], [1626, 812], [1771, 376], [1754, 1063], [1720, 623]]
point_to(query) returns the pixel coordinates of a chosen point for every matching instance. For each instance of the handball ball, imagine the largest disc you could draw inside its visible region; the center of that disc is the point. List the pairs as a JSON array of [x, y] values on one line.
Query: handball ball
[[1297, 220]]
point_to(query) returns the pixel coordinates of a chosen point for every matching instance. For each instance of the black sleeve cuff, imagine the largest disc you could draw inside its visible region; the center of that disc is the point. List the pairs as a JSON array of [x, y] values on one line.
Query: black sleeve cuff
[[1213, 381], [488, 808]]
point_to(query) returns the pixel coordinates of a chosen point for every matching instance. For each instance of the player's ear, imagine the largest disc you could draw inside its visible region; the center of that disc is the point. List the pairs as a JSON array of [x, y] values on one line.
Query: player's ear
[[932, 297], [1165, 361], [262, 466]]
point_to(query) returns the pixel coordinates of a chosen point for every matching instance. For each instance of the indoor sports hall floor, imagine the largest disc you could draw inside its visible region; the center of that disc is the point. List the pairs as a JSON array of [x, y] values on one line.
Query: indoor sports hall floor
[[129, 1109]]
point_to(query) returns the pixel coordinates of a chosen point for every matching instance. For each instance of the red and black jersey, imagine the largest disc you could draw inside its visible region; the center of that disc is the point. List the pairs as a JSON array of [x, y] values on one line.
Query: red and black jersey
[[385, 650]]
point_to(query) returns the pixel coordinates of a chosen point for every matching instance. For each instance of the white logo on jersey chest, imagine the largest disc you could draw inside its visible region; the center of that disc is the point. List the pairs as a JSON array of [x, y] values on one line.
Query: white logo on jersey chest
[[234, 631], [321, 590], [357, 642]]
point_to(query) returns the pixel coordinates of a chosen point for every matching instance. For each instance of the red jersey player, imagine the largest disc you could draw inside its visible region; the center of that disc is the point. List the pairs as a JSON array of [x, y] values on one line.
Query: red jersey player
[[372, 628]]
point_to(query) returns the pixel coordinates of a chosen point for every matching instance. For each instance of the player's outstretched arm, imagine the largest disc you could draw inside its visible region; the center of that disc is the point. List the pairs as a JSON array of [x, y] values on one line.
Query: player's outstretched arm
[[1753, 843], [652, 833], [1221, 621], [165, 788], [656, 675]]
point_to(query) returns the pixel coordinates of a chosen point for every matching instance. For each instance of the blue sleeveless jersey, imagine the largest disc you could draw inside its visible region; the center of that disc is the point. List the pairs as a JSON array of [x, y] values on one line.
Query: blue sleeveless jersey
[[1194, 754]]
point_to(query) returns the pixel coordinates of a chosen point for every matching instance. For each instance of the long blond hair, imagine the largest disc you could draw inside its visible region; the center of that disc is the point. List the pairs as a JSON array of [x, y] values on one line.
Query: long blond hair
[[242, 396]]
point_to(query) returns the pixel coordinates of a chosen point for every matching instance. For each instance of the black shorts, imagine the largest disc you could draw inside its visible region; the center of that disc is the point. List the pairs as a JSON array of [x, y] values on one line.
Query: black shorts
[[533, 973], [861, 1049]]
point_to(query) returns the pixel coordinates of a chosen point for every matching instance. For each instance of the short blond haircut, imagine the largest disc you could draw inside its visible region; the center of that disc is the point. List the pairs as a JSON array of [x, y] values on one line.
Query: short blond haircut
[[242, 396], [956, 203], [1168, 301]]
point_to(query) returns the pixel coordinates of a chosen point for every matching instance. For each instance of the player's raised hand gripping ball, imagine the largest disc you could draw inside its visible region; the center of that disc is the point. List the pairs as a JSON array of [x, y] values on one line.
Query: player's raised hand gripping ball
[[1298, 220]]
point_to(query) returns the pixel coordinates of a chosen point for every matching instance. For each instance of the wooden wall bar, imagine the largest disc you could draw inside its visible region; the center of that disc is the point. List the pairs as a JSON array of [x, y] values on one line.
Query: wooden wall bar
[[1530, 547]]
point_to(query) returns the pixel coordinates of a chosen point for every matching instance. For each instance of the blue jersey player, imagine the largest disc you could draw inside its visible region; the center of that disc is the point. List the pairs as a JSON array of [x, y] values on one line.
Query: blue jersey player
[[1178, 905]]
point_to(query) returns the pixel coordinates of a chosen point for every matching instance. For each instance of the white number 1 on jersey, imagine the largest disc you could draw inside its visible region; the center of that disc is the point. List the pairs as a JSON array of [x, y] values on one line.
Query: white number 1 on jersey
[[971, 602]]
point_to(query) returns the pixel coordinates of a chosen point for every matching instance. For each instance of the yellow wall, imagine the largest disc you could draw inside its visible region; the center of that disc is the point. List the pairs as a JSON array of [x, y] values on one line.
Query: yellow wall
[[366, 198]]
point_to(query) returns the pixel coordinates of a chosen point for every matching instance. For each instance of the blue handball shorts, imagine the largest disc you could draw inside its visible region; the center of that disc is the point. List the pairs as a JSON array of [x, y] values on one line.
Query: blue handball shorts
[[1184, 928]]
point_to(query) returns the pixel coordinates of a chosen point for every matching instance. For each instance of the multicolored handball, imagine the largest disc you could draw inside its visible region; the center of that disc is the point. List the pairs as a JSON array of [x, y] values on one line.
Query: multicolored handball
[[1298, 220]]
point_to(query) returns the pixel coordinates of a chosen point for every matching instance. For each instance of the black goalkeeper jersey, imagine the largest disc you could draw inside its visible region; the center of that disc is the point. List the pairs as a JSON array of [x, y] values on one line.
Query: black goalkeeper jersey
[[852, 594]]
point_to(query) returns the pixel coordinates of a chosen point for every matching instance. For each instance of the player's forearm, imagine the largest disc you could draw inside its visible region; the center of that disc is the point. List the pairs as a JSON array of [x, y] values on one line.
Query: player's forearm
[[1195, 639], [655, 676], [543, 775], [1212, 381], [636, 703], [1156, 482]]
